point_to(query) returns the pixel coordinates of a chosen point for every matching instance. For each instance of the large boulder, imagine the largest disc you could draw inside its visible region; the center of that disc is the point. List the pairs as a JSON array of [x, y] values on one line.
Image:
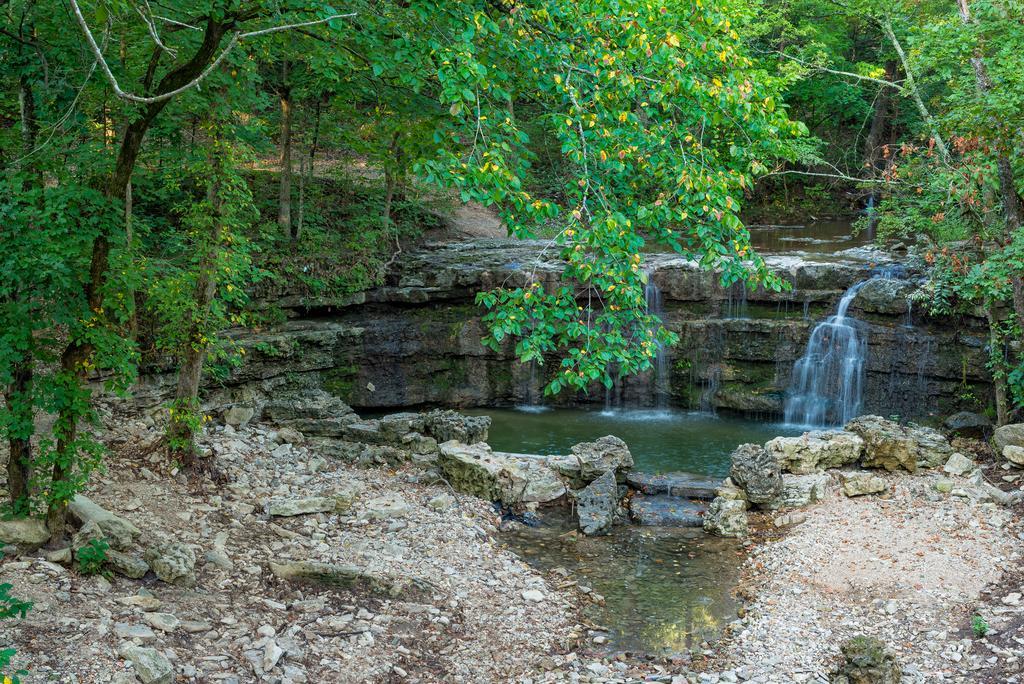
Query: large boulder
[[495, 476], [726, 518], [596, 504], [1008, 435], [117, 531], [816, 451], [27, 532], [800, 490], [757, 472], [589, 460], [860, 482], [967, 424], [311, 412], [448, 425], [892, 446], [173, 562]]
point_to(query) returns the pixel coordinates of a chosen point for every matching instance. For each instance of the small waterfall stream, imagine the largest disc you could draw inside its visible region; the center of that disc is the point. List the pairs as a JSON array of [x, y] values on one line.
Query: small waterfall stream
[[828, 380], [660, 378]]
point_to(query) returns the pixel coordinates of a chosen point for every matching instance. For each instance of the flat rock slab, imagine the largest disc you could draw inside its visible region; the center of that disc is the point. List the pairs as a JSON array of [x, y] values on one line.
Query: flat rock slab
[[688, 485], [666, 511]]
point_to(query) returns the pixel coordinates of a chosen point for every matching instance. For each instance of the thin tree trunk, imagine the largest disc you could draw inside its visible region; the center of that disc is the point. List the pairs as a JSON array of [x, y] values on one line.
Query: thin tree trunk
[[880, 119], [302, 196], [19, 391], [181, 432], [284, 205], [998, 373]]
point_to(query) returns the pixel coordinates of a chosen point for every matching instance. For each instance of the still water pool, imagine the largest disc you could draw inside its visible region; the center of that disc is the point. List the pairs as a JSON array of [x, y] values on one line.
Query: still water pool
[[660, 441]]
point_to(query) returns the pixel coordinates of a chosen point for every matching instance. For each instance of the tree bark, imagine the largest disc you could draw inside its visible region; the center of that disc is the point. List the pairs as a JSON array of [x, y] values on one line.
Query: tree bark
[[998, 373], [284, 205]]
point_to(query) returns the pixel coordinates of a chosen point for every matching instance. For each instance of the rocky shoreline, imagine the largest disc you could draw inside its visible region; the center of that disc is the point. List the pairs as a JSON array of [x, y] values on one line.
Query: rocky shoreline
[[326, 547]]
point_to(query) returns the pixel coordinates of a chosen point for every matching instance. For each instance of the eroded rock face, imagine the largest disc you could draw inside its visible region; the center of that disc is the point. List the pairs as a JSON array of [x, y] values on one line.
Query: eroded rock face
[[799, 490], [496, 476], [892, 446], [448, 425], [596, 504], [757, 472], [311, 412], [814, 451]]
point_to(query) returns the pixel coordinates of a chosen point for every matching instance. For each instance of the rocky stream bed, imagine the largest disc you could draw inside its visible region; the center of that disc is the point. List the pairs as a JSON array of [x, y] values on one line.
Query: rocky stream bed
[[322, 547]]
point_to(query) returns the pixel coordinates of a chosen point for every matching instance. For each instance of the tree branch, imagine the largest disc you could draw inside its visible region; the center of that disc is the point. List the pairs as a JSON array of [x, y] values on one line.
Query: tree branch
[[236, 38]]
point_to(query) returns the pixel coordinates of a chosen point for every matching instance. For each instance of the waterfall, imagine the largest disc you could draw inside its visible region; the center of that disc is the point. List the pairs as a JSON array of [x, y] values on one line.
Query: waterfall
[[660, 377], [828, 381], [532, 393]]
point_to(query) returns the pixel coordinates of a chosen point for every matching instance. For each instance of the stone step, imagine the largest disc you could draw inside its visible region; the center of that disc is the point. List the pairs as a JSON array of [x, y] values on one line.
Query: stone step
[[686, 485], [666, 511]]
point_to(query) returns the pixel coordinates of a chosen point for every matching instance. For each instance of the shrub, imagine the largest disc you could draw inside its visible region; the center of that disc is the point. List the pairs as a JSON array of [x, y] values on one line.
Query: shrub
[[92, 556]]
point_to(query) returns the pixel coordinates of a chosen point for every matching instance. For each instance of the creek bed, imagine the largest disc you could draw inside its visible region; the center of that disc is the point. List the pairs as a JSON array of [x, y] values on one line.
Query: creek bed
[[666, 589]]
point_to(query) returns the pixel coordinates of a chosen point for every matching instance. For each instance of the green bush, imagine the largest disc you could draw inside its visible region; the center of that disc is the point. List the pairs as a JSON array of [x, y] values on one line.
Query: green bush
[[91, 558]]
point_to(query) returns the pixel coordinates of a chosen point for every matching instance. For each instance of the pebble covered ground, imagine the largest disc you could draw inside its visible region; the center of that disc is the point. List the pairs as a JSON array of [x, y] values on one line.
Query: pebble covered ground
[[910, 566]]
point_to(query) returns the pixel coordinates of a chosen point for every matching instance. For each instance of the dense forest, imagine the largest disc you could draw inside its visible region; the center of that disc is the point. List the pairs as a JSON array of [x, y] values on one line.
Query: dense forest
[[166, 163]]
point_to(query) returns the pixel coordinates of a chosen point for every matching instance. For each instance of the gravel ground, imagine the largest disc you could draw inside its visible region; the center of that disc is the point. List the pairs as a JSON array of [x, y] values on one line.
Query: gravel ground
[[910, 566], [489, 617]]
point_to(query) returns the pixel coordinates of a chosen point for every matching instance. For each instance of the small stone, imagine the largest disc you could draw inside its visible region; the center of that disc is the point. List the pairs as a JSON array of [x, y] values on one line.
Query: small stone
[[958, 464], [126, 564], [123, 630], [271, 655], [533, 595], [441, 502], [151, 666], [944, 486], [165, 622], [861, 483], [60, 556], [1014, 454], [1012, 599], [173, 562]]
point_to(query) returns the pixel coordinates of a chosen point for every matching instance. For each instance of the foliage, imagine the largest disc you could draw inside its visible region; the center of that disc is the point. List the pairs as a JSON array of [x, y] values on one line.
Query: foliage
[[92, 556], [979, 626]]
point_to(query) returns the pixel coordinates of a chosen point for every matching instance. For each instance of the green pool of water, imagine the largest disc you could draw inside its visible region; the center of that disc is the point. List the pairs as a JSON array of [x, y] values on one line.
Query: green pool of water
[[666, 590], [660, 441]]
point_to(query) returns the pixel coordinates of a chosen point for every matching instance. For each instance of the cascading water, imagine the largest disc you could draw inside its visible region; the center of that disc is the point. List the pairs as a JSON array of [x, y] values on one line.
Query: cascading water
[[660, 378], [828, 380]]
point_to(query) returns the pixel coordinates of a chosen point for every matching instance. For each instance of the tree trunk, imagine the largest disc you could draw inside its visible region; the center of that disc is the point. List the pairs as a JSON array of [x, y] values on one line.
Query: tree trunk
[[302, 196], [20, 405], [182, 429], [79, 351], [284, 206], [19, 391], [879, 122], [998, 372]]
